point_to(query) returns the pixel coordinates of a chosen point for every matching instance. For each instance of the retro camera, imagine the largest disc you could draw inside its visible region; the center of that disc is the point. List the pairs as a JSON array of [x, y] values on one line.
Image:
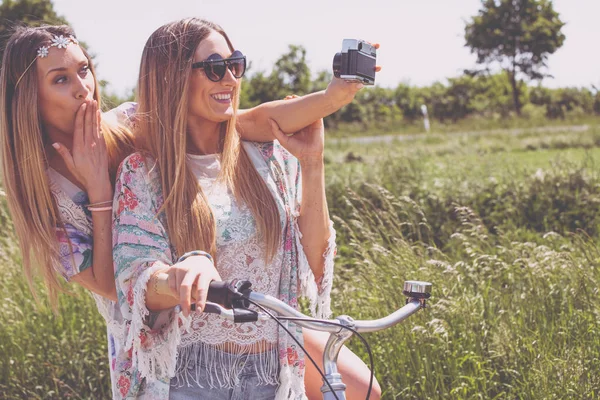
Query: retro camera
[[356, 62]]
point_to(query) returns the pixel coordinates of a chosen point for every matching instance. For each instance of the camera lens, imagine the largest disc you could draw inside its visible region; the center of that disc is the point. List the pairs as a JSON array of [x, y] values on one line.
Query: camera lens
[[337, 64]]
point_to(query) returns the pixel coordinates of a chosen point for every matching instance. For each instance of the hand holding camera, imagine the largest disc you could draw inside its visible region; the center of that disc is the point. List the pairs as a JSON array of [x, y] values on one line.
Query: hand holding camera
[[356, 62], [354, 67]]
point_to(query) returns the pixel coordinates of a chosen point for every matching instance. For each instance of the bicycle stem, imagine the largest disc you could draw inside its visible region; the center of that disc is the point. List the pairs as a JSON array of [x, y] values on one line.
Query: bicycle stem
[[330, 355]]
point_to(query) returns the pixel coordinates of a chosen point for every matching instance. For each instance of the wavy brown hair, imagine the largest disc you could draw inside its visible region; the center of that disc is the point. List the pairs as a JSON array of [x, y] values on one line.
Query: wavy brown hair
[[163, 98], [24, 160]]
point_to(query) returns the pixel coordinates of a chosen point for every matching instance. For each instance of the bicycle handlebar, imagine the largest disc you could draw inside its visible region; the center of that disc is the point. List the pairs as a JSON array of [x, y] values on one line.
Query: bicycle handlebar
[[229, 293], [231, 299]]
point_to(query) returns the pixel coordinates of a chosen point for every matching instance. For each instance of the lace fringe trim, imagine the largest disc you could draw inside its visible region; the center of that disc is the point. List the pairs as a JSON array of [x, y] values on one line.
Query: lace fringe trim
[[112, 316], [158, 361], [319, 296], [222, 365], [291, 386]]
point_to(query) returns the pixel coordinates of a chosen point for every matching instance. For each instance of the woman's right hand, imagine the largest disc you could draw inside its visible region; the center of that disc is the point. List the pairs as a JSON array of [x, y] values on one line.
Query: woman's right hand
[[342, 92], [88, 159], [189, 280]]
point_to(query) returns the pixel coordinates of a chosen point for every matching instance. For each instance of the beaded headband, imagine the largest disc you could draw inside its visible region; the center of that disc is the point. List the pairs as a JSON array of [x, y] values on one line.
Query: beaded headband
[[60, 42], [57, 41]]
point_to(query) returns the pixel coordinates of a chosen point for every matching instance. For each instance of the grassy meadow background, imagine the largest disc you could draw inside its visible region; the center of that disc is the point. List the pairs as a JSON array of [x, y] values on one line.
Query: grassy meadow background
[[504, 223]]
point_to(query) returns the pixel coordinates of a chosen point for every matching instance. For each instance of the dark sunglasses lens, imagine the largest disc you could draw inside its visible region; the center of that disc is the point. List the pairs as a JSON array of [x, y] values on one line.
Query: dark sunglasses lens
[[215, 71], [238, 67]]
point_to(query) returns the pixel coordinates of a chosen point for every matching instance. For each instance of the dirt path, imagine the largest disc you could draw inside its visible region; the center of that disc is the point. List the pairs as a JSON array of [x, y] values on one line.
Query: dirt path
[[404, 138]]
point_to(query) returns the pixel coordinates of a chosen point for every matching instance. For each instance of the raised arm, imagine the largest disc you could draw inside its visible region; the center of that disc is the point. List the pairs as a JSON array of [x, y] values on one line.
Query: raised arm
[[292, 115], [313, 219], [88, 163], [316, 237]]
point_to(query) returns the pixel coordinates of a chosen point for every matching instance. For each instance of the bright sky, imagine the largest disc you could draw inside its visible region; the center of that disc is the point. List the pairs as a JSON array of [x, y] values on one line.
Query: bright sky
[[421, 41]]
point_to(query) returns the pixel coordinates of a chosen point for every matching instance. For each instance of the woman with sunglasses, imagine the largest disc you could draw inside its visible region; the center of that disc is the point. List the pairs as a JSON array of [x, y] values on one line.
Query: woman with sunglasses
[[352, 367], [196, 204], [59, 158]]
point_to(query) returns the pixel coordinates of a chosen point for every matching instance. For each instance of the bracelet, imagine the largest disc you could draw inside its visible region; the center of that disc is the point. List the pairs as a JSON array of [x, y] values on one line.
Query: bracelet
[[155, 283], [195, 253], [161, 285], [100, 203], [100, 208]]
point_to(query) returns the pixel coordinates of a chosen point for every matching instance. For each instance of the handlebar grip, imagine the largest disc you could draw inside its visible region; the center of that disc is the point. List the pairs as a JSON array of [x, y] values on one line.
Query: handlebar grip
[[230, 294], [218, 292]]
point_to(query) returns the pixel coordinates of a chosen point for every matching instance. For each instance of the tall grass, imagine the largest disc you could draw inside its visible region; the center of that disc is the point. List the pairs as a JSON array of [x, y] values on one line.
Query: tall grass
[[504, 225], [506, 230], [509, 319]]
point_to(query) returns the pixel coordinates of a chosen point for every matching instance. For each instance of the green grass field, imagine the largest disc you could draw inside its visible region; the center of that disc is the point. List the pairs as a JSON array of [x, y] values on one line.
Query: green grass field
[[500, 224], [504, 225]]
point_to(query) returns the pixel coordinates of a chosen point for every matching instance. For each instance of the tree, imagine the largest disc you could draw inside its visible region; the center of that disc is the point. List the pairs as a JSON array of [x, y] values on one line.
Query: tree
[[290, 75], [260, 88], [517, 34], [406, 98], [25, 12], [292, 70]]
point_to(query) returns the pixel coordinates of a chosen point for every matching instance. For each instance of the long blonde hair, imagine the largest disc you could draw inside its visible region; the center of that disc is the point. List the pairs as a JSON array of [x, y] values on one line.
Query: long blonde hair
[[24, 161], [163, 99]]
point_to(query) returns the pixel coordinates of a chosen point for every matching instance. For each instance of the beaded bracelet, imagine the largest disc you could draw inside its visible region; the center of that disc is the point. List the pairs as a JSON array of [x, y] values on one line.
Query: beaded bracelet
[[195, 253], [100, 208]]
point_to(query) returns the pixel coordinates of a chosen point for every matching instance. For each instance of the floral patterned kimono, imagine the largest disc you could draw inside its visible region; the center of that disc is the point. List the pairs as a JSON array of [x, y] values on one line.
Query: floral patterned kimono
[[141, 246]]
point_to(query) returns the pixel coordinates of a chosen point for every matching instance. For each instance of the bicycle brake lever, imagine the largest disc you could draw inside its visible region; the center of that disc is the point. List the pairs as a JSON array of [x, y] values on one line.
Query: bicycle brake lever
[[241, 315], [232, 294], [238, 315], [213, 308]]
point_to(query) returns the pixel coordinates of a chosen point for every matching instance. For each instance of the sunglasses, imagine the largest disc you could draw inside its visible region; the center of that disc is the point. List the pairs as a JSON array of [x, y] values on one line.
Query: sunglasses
[[215, 67]]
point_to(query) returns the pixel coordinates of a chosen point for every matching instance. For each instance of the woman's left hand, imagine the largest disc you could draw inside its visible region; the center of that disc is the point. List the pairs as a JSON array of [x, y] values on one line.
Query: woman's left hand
[[307, 145]]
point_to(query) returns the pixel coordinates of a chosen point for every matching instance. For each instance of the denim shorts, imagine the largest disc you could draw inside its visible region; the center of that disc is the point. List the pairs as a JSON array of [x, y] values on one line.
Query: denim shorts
[[249, 387]]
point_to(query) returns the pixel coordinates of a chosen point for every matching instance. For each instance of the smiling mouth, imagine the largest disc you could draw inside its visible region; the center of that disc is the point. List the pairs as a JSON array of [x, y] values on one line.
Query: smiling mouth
[[222, 97]]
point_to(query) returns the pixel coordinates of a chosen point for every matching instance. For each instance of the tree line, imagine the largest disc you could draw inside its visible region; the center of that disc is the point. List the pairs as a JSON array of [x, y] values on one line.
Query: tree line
[[468, 95], [511, 38]]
